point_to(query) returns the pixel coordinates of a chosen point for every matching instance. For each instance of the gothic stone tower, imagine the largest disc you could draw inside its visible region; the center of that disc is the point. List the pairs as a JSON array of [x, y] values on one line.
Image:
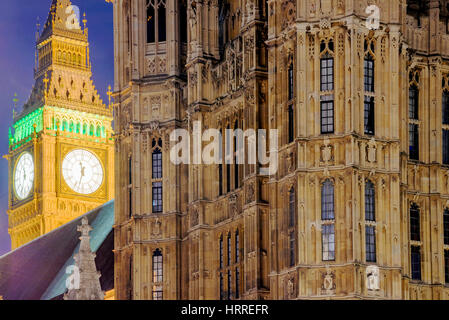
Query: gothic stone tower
[[358, 207], [151, 197], [60, 146]]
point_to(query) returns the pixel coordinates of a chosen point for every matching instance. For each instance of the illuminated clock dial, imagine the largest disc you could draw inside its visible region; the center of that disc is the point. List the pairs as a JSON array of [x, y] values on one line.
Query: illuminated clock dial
[[24, 176], [82, 171]]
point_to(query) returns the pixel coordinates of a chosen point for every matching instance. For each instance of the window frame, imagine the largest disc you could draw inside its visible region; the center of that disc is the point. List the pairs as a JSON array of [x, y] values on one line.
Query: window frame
[[159, 26], [416, 263], [158, 275], [415, 223], [328, 221]]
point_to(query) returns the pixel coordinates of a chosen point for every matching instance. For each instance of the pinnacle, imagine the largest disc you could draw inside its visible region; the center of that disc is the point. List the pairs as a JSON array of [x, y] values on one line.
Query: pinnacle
[[61, 17]]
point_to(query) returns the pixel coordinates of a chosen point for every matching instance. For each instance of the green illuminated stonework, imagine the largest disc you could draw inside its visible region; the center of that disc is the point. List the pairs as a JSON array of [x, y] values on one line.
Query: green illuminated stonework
[[24, 128], [74, 123]]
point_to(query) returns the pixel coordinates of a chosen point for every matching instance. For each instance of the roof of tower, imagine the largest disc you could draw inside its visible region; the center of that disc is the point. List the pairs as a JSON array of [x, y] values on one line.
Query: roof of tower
[[62, 19], [37, 270], [66, 80]]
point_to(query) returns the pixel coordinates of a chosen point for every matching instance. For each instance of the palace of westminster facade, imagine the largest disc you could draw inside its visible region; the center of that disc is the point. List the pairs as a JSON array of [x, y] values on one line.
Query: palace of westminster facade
[[358, 207]]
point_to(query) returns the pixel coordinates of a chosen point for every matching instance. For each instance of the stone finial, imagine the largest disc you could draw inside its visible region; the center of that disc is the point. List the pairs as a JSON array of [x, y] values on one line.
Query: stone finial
[[87, 286]]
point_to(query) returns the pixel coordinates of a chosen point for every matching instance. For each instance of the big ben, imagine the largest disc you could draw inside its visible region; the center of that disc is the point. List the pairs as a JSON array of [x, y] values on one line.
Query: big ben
[[61, 155]]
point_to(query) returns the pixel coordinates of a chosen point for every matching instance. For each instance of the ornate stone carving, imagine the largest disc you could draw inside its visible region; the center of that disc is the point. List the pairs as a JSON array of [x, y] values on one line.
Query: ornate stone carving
[[289, 13], [250, 193], [290, 162], [233, 205], [371, 151], [328, 286], [291, 292], [372, 278], [194, 217], [327, 152], [84, 284], [157, 231]]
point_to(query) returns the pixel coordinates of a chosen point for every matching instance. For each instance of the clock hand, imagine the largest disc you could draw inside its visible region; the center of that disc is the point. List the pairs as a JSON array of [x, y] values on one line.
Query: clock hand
[[82, 173]]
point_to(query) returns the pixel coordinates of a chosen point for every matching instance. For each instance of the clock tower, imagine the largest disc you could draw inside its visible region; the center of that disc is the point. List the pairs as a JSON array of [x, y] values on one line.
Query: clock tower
[[61, 157]]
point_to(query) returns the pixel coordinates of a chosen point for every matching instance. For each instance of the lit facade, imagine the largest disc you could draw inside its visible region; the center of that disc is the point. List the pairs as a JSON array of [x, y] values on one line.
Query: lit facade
[[61, 150], [359, 205]]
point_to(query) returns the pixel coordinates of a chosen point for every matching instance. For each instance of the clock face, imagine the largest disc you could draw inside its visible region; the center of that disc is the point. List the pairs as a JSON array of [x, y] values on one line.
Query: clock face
[[24, 176], [82, 171]]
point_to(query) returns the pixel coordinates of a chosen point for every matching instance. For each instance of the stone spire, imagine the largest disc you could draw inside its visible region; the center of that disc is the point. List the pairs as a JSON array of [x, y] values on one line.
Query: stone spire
[[63, 58], [89, 277], [59, 17]]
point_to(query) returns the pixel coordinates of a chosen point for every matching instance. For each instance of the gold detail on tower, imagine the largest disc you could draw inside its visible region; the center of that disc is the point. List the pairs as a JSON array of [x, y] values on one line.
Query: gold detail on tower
[[64, 112]]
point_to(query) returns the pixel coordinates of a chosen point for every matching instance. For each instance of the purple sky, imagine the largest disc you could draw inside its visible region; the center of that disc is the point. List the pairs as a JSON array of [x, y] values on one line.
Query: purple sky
[[17, 41]]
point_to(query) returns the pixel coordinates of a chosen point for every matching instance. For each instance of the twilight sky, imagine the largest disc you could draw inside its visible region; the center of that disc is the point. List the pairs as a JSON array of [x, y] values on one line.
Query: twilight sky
[[17, 43]]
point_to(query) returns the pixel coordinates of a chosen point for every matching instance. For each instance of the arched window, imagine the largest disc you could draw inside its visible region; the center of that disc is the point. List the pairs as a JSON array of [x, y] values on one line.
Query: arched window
[[445, 112], [413, 113], [64, 125], [292, 208], [291, 248], [157, 197], [228, 158], [130, 170], [91, 130], [157, 164], [156, 21], [291, 83], [415, 235], [445, 107], [236, 165], [222, 17], [157, 174], [229, 249], [161, 16], [98, 131], [446, 226], [291, 123], [221, 251], [221, 286], [327, 86], [328, 222], [370, 218], [151, 22], [220, 165], [183, 20], [130, 280], [84, 128], [237, 246], [370, 202], [130, 186], [229, 285], [416, 262], [415, 228], [413, 102], [158, 274], [78, 127], [369, 114], [291, 227], [327, 201], [446, 242], [237, 283]]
